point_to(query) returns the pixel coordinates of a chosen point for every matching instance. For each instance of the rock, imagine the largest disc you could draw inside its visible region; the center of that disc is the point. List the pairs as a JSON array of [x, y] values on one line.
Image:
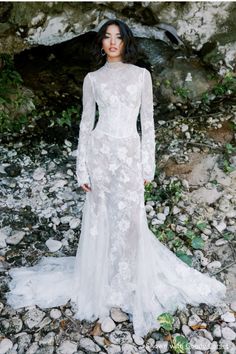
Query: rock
[[186, 330], [221, 226], [200, 343], [107, 325], [118, 315], [162, 346], [129, 349], [161, 216], [194, 320], [55, 314], [53, 245], [33, 317], [148, 208], [220, 242], [137, 339], [15, 238], [74, 223], [120, 337], [89, 345], [228, 333], [228, 317], [39, 174], [49, 339], [217, 331], [184, 128], [227, 346], [24, 340], [113, 349], [3, 238], [5, 345], [33, 348], [214, 265], [176, 210]]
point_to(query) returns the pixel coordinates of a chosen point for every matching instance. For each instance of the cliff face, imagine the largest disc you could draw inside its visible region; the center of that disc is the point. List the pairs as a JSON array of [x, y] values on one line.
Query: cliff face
[[189, 47], [206, 26]]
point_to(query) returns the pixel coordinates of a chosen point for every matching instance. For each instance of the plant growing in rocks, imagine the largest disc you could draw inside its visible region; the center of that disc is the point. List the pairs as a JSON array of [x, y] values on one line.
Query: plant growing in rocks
[[178, 343]]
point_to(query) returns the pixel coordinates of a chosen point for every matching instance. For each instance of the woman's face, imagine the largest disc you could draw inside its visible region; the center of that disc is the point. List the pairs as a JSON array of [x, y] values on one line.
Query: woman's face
[[112, 43]]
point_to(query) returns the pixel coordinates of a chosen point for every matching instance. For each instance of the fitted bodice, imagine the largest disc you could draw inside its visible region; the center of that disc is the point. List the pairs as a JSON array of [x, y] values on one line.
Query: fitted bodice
[[117, 88], [121, 91]]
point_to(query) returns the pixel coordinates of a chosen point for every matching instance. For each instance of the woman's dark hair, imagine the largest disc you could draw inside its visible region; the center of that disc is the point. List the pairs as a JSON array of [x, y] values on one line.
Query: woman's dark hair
[[130, 51]]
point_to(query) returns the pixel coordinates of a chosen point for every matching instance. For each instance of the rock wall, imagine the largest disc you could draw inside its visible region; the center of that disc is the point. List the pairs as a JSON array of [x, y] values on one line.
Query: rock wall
[[208, 27]]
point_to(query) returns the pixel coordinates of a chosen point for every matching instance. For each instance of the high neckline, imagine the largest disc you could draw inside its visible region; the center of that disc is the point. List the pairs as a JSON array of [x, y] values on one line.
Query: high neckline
[[115, 64]]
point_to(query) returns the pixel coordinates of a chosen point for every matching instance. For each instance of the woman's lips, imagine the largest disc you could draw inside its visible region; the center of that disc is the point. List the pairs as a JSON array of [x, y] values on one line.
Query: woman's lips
[[112, 49]]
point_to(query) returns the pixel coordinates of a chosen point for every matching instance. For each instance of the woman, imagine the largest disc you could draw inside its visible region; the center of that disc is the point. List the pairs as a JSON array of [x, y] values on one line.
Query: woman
[[119, 261]]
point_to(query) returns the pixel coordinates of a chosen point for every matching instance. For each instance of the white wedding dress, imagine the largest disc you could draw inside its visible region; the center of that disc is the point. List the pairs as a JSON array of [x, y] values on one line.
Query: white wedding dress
[[119, 262]]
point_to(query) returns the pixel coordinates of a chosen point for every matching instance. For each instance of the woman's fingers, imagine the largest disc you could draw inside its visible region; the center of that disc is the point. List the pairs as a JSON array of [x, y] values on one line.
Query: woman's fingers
[[86, 187]]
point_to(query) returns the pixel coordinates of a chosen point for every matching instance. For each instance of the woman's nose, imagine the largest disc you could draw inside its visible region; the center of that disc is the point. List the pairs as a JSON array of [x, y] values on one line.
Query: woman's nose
[[113, 40]]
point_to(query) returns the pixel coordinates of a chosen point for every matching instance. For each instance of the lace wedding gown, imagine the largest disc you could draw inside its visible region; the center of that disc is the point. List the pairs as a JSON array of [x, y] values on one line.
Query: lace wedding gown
[[119, 261]]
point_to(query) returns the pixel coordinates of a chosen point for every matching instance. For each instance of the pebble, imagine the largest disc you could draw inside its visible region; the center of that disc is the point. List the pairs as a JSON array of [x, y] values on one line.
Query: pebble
[[194, 320], [39, 173], [5, 345], [221, 242], [200, 343], [228, 317], [214, 265], [118, 315], [53, 245], [74, 223], [33, 317], [228, 333], [162, 346], [55, 314], [108, 325], [87, 344], [15, 238], [217, 331], [120, 337]]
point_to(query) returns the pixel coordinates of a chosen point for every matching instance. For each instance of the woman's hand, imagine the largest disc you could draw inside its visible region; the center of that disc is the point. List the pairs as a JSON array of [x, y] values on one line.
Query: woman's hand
[[146, 182], [86, 187]]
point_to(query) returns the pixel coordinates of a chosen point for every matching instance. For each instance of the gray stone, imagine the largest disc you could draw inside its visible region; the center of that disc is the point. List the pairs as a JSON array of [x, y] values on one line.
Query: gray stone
[[5, 345], [118, 315], [228, 333], [228, 317], [15, 238], [120, 337], [107, 325], [162, 345], [200, 343], [33, 317], [88, 344]]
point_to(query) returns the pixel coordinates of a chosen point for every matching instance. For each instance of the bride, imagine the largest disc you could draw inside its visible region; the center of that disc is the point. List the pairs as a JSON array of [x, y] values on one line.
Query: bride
[[119, 261]]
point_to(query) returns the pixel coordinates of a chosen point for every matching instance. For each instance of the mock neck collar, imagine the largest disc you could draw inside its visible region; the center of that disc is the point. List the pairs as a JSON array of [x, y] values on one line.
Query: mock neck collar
[[115, 64]]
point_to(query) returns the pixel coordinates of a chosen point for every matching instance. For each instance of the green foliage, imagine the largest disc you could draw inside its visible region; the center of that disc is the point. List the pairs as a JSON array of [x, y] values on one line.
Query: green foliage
[[166, 321], [179, 344], [171, 192], [228, 83], [183, 92], [228, 151], [65, 118], [225, 85], [11, 97]]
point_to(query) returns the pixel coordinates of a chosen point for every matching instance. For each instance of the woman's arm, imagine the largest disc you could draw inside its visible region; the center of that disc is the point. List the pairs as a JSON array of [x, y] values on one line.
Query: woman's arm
[[147, 126], [86, 126]]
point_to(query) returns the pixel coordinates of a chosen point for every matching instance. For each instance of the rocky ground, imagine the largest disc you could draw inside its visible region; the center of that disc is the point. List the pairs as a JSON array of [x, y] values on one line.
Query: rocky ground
[[41, 208]]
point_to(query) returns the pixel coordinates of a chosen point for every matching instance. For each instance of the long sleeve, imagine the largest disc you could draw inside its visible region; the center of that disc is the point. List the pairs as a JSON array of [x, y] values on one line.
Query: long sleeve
[[147, 126], [86, 126]]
